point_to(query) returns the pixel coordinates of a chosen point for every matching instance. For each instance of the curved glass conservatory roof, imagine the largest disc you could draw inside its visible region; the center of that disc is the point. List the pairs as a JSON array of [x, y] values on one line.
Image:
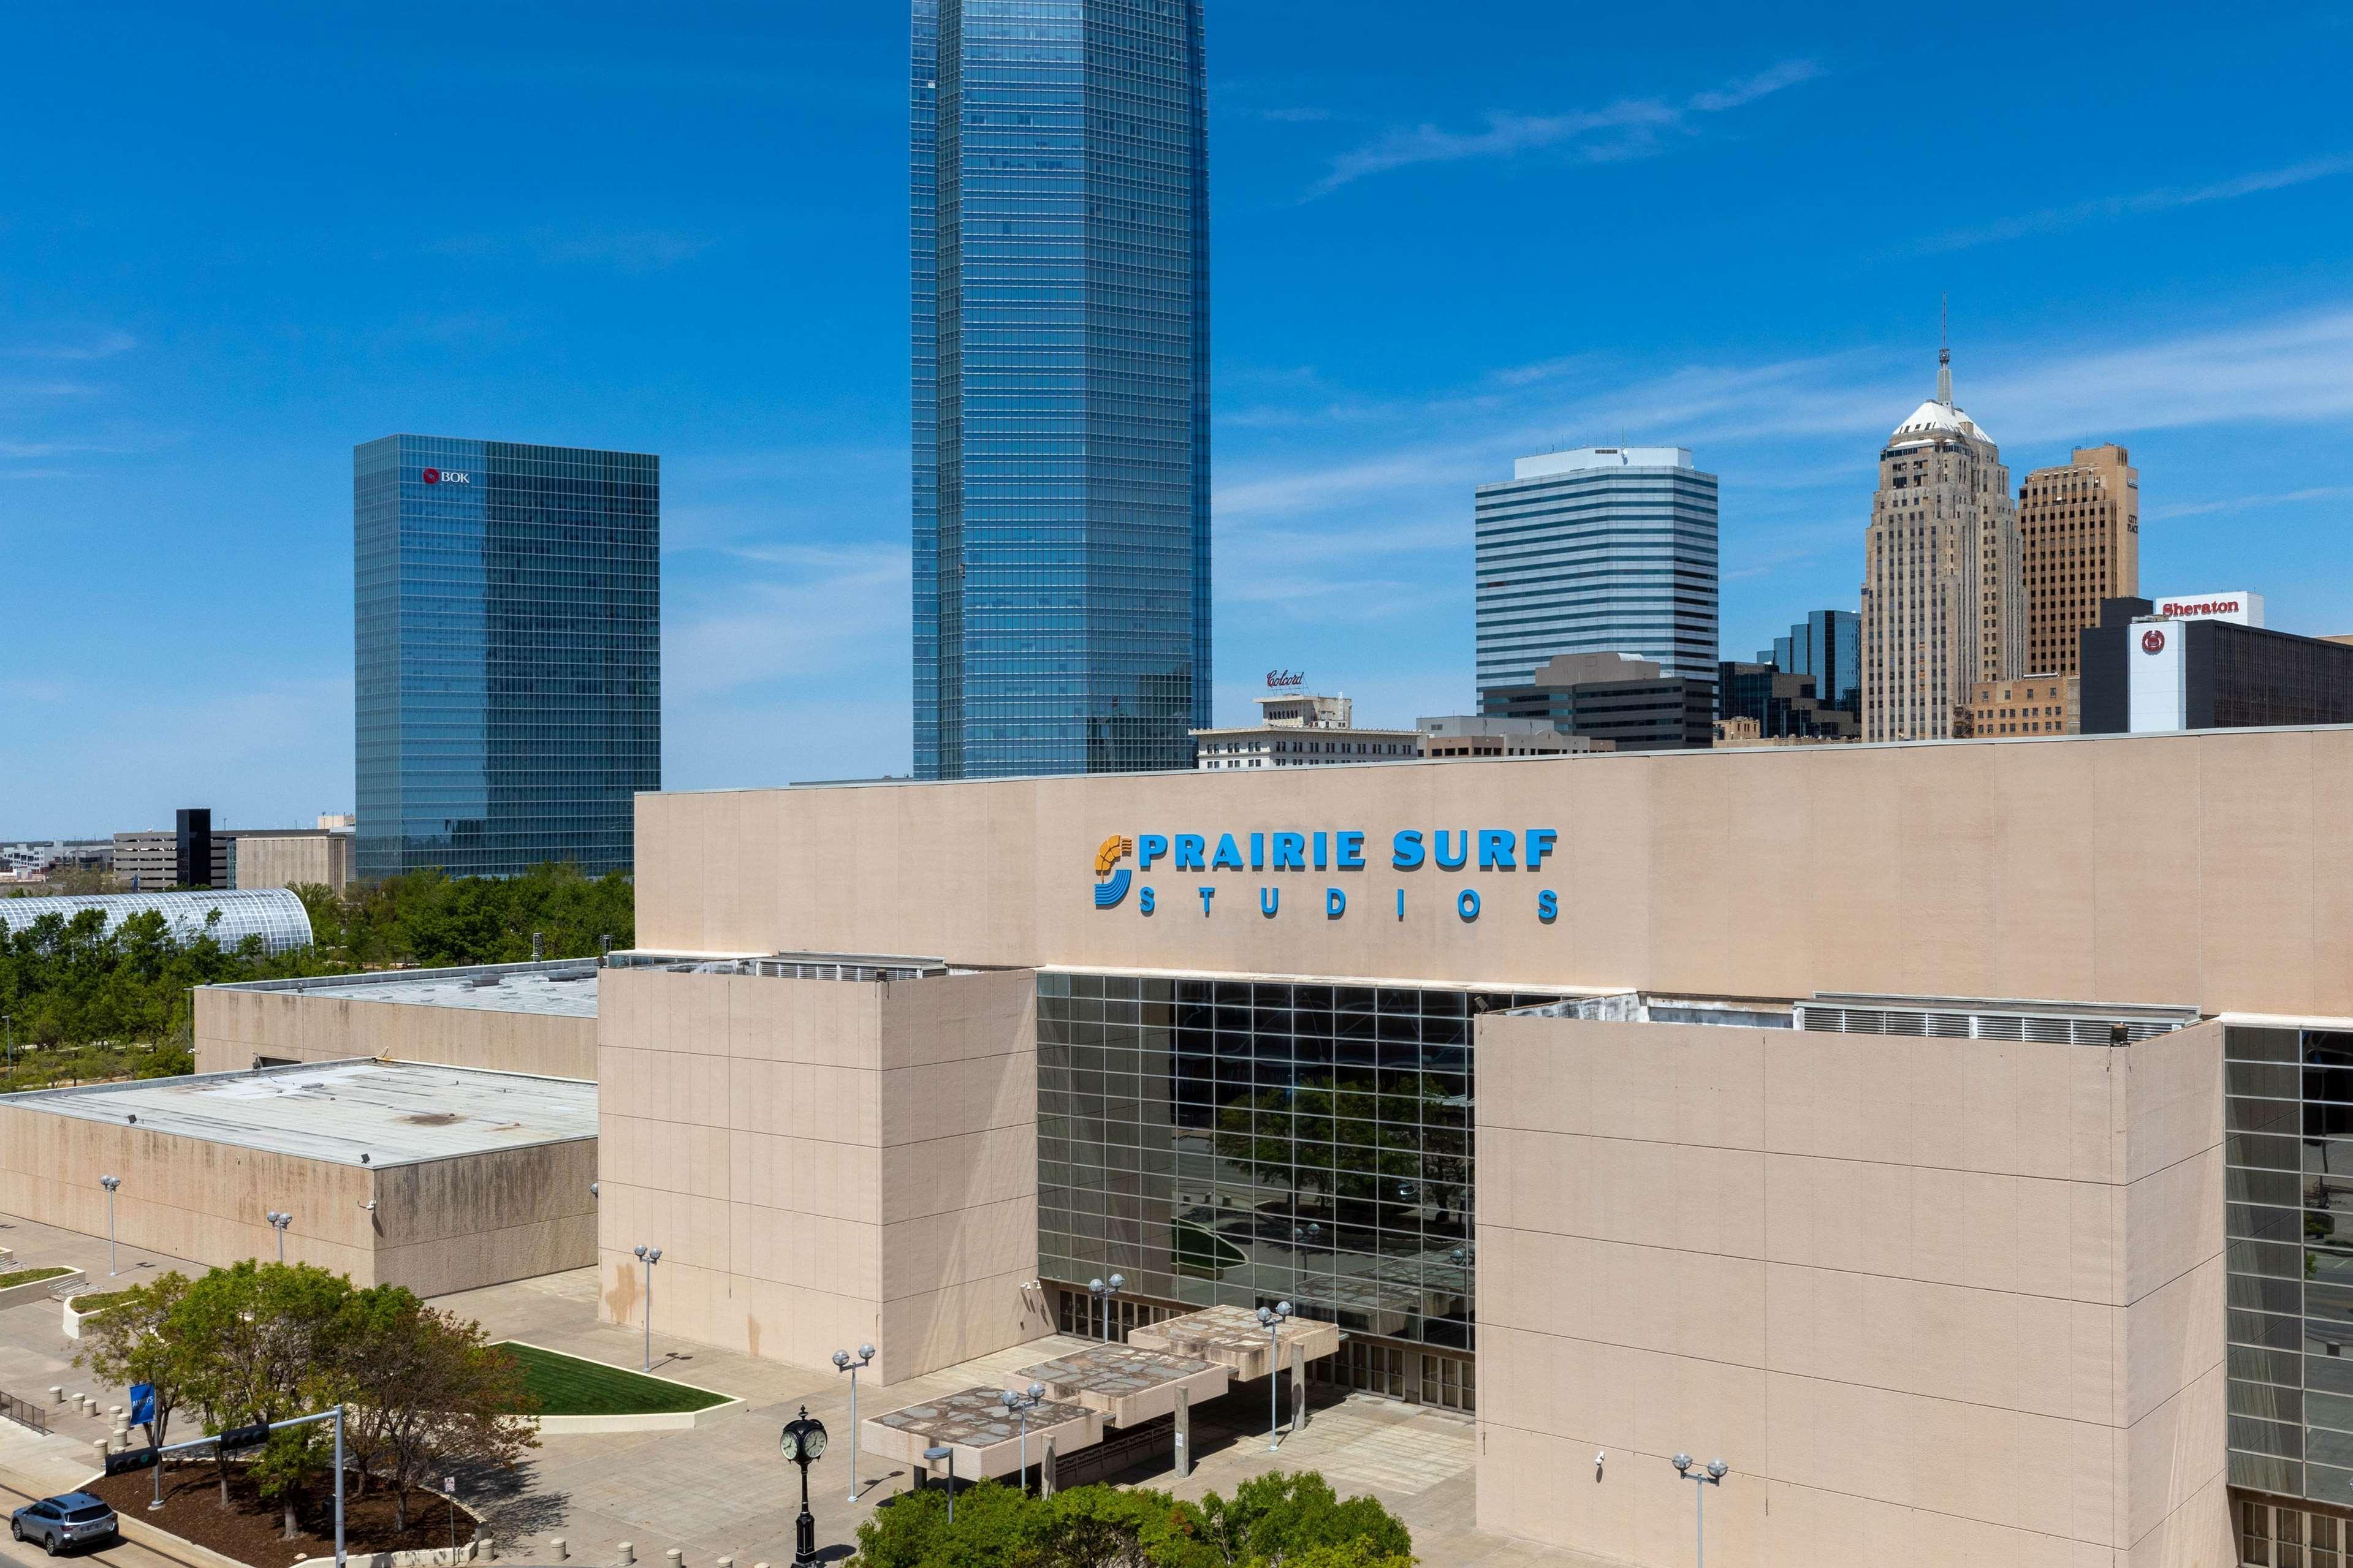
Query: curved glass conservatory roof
[[274, 914]]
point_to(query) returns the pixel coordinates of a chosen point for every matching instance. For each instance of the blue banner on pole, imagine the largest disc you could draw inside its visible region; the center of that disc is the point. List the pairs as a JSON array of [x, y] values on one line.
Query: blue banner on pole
[[142, 1402]]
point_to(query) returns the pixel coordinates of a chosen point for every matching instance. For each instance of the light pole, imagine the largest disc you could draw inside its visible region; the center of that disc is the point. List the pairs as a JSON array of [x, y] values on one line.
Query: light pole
[[934, 1456], [110, 1183], [1021, 1405], [804, 1443], [1272, 1318], [1711, 1474], [279, 1222], [1104, 1291], [649, 1256], [841, 1362]]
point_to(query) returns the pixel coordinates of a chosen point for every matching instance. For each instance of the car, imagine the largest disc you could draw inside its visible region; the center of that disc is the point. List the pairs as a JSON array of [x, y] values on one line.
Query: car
[[74, 1519]]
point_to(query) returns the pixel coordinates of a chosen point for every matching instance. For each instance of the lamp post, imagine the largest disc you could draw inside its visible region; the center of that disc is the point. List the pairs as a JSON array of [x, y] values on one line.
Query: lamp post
[[1104, 1291], [1710, 1475], [841, 1362], [110, 1183], [649, 1256], [804, 1443], [1272, 1316], [934, 1456], [279, 1222], [1021, 1405]]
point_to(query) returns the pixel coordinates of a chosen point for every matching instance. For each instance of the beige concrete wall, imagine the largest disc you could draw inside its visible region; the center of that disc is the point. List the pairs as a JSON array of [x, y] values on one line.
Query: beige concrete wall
[[1933, 1300], [291, 860], [234, 1026], [822, 1162], [2214, 869], [447, 1224]]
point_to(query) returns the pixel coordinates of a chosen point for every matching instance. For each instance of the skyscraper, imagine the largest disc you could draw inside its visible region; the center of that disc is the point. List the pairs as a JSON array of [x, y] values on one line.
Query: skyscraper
[[509, 653], [1941, 591], [2080, 532], [1060, 248], [1604, 549]]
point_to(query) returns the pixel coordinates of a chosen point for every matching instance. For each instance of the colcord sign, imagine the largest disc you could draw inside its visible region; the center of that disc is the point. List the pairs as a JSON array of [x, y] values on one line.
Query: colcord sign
[[1484, 852], [1285, 679]]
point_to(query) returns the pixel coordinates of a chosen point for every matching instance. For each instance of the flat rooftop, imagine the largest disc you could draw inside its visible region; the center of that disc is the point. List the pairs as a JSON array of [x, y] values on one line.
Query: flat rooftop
[[394, 1113], [561, 987]]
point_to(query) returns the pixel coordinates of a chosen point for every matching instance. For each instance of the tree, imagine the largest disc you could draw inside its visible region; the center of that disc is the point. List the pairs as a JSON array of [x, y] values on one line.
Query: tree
[[122, 1345], [426, 1390], [285, 1469], [256, 1343], [1285, 1520]]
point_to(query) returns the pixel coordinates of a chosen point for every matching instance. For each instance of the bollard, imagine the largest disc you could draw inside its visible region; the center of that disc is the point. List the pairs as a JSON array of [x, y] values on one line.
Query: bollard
[[486, 1549], [56, 1394], [727, 1563], [101, 1447], [118, 1412], [560, 1548], [677, 1558], [628, 1552]]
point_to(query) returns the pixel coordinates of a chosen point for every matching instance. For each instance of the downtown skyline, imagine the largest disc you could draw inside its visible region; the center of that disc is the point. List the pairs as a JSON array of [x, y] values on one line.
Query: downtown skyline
[[1395, 319]]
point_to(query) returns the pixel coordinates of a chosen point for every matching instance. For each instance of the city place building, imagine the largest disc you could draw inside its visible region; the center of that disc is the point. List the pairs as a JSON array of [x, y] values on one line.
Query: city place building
[[1828, 646], [1540, 1085], [156, 860], [508, 654], [1943, 595], [274, 917], [1600, 550], [1616, 697], [1460, 735], [2079, 532], [2038, 705], [1061, 243], [435, 1178], [2206, 661], [1298, 730], [1779, 705]]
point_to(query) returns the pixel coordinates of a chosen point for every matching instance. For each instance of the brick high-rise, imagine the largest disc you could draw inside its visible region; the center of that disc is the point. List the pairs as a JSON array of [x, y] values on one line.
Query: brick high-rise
[[2079, 528]]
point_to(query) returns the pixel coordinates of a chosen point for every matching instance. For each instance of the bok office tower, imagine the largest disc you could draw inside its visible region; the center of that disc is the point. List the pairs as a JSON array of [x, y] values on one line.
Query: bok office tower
[[1059, 242], [508, 654]]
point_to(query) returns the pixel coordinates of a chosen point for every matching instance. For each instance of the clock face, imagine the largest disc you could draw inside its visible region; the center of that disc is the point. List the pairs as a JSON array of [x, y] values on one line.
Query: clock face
[[813, 1442]]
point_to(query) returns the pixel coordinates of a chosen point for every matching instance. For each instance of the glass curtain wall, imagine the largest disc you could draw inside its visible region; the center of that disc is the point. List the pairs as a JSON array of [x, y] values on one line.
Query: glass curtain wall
[[2288, 1160], [1231, 1143]]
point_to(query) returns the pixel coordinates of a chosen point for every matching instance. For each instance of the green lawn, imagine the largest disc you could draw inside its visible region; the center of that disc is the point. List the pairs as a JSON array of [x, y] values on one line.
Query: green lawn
[[97, 1301], [567, 1386], [31, 1277]]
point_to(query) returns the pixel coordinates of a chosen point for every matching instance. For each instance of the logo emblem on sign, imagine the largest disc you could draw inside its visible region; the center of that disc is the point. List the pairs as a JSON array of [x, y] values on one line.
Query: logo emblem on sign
[[2152, 641], [1112, 877]]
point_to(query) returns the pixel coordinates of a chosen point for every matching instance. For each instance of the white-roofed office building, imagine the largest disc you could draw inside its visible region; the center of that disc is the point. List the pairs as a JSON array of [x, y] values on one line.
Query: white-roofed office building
[[274, 914], [1602, 550]]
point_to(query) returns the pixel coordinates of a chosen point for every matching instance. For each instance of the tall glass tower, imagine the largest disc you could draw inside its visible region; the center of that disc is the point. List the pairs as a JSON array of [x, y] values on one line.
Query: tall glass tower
[[509, 653], [1061, 244]]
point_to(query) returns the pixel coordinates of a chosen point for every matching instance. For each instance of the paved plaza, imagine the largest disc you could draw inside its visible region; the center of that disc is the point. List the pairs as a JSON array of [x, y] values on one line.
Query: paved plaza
[[722, 1489]]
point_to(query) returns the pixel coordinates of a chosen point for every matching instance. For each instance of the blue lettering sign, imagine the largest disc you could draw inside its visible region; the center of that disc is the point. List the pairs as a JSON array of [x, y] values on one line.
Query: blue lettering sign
[[1540, 843], [1547, 905], [1462, 851], [1495, 850], [1228, 858], [1150, 846], [1335, 903], [1405, 853], [1351, 851], [1189, 852], [1269, 901], [1289, 847], [1144, 901], [1466, 903]]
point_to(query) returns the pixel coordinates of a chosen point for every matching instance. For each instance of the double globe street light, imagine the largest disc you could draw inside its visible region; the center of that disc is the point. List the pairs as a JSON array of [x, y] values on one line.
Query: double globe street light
[[1710, 1475], [1272, 1318], [1104, 1291], [1021, 1405], [842, 1362]]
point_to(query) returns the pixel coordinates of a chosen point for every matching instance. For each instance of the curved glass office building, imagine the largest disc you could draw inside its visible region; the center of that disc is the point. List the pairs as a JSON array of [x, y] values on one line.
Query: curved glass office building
[[1060, 246], [274, 914]]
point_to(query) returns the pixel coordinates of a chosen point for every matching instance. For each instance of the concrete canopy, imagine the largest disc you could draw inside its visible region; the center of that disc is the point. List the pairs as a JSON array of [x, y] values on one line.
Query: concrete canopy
[[1128, 1385]]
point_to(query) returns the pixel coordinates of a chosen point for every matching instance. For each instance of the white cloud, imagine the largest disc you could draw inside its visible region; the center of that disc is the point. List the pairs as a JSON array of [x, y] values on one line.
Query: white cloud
[[1630, 127], [106, 345], [2052, 219], [2247, 503]]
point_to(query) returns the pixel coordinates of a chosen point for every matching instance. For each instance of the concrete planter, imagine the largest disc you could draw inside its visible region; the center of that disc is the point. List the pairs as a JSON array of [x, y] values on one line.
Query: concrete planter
[[482, 1549], [666, 1421], [41, 1290], [74, 1321]]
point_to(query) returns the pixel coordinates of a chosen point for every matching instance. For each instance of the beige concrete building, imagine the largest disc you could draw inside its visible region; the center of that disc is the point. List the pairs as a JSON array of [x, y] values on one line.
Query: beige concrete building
[[1943, 594], [293, 857], [2079, 528], [2037, 705], [536, 1018], [1938, 1277], [434, 1178], [1454, 737]]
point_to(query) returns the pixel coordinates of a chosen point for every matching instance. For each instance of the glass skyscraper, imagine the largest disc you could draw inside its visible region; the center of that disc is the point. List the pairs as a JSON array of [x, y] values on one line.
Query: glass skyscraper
[[1828, 646], [1606, 549], [1060, 246], [509, 653]]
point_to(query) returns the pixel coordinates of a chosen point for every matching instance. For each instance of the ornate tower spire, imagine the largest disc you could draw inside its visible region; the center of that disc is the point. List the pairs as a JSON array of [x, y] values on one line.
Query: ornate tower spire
[[1945, 349]]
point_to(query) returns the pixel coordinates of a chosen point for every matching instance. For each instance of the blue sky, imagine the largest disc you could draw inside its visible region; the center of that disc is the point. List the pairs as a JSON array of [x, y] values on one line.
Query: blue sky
[[236, 240]]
